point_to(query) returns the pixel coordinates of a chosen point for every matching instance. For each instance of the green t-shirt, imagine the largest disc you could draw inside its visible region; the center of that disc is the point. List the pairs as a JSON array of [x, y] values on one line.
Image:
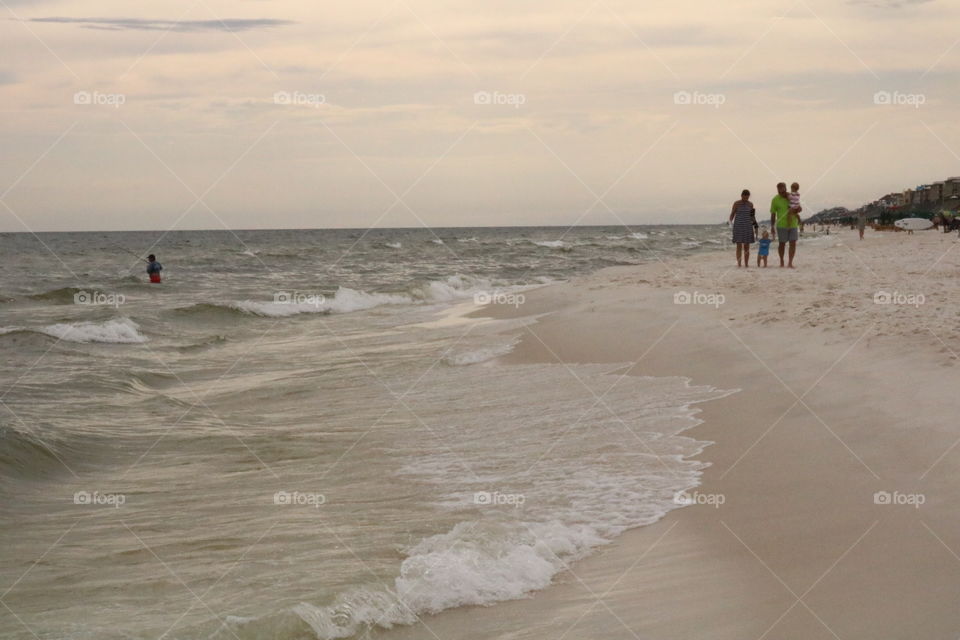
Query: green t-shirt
[[780, 206]]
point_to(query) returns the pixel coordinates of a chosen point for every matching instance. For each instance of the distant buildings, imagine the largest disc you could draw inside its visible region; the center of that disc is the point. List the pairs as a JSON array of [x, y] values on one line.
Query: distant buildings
[[924, 200], [932, 197]]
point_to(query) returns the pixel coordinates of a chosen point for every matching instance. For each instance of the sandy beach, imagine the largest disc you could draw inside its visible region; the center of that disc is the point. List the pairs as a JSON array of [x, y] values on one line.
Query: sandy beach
[[829, 508]]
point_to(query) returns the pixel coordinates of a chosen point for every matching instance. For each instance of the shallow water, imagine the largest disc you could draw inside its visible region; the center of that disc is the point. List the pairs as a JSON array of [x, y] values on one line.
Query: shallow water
[[282, 440]]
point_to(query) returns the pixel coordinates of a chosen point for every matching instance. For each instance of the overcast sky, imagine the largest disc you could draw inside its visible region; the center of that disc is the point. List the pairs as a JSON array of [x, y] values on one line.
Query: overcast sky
[[297, 113]]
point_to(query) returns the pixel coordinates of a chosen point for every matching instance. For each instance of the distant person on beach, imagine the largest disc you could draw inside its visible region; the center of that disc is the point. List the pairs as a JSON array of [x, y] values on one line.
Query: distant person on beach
[[763, 248], [153, 268], [743, 218], [861, 222], [786, 223]]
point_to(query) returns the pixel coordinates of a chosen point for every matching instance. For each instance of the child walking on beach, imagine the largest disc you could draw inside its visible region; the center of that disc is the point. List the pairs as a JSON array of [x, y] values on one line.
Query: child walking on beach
[[764, 248]]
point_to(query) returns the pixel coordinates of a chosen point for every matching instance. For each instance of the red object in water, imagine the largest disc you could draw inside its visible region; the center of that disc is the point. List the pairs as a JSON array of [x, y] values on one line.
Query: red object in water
[[154, 277]]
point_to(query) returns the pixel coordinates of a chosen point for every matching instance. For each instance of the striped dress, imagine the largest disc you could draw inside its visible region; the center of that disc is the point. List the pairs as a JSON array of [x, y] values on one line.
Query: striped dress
[[743, 223]]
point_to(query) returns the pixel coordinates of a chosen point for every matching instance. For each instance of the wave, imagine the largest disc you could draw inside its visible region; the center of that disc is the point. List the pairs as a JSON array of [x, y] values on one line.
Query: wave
[[437, 241], [23, 453], [344, 301], [205, 343], [119, 331], [552, 244], [475, 563], [60, 295], [393, 245], [347, 300]]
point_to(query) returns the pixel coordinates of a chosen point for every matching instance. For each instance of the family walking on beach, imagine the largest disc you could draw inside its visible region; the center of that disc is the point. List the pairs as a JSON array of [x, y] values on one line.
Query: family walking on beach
[[784, 221]]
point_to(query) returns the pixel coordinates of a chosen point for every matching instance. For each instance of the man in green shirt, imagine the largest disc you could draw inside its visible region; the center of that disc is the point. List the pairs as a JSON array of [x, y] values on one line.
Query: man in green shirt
[[787, 224]]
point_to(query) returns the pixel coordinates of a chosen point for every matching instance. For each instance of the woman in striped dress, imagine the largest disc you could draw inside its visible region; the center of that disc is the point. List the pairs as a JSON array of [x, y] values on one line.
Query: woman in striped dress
[[743, 218]]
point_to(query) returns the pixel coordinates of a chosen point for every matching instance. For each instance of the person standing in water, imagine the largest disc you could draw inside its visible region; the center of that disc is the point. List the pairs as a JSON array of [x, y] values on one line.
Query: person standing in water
[[743, 218], [153, 268]]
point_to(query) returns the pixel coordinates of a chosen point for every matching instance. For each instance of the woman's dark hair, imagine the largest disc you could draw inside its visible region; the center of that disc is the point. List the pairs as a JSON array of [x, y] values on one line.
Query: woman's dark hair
[[745, 193], [151, 257]]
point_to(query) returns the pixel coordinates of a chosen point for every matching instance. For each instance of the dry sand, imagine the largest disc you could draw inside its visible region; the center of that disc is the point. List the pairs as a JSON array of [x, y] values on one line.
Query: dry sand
[[840, 397]]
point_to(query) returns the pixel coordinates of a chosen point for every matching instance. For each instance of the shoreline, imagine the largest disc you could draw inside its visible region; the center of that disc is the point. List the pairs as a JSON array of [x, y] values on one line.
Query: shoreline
[[840, 397]]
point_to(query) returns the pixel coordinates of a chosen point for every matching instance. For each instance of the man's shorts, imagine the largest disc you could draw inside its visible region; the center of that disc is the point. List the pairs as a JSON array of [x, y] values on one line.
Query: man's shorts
[[787, 235]]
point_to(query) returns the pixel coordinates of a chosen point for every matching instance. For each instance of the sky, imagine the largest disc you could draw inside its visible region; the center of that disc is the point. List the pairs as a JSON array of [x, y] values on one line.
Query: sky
[[200, 114]]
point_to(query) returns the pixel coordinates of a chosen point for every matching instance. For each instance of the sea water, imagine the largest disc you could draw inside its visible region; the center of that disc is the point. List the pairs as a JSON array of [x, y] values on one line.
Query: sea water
[[286, 439]]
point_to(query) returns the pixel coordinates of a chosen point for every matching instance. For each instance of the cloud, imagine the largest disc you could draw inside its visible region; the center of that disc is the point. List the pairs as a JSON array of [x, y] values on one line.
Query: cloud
[[185, 26], [888, 4]]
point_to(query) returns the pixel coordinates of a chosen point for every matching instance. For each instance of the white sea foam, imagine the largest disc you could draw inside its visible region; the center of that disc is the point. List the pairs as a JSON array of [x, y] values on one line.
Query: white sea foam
[[344, 301], [394, 245], [456, 287], [121, 331], [550, 244], [347, 300]]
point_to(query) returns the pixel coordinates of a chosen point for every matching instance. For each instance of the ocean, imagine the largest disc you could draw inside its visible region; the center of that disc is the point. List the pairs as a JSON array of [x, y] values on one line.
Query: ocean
[[300, 434]]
